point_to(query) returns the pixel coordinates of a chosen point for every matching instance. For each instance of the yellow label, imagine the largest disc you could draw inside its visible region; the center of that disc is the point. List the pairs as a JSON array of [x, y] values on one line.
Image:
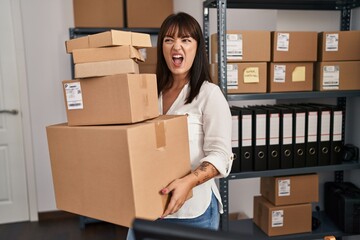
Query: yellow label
[[298, 75], [251, 75]]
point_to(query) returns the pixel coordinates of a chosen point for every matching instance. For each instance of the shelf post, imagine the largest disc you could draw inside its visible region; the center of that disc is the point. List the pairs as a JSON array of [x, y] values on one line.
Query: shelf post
[[224, 193], [206, 29], [221, 29]]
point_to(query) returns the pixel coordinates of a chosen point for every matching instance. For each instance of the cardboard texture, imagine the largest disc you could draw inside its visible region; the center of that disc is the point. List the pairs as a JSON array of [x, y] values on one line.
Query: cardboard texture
[[148, 14], [106, 54], [339, 46], [337, 76], [243, 77], [291, 77], [76, 43], [98, 14], [119, 38], [244, 46], [294, 46], [281, 220], [150, 59], [105, 68], [115, 99], [114, 173], [294, 189]]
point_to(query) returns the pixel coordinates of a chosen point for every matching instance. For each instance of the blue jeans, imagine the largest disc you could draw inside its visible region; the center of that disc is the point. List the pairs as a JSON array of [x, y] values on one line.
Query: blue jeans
[[209, 219]]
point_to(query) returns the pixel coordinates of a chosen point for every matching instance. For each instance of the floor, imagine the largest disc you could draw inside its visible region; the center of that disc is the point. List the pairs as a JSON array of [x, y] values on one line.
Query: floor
[[61, 229]]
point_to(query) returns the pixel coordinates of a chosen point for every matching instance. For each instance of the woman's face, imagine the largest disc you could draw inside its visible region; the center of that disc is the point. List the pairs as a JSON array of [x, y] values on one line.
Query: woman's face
[[179, 54]]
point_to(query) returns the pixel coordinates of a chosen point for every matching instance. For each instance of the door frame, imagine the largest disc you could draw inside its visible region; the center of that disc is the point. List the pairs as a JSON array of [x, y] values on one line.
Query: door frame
[[24, 108]]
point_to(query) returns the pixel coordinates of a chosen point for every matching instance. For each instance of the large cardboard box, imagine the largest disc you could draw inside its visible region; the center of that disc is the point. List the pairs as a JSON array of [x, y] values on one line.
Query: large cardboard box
[[294, 46], [150, 60], [243, 46], [243, 77], [106, 54], [105, 68], [119, 38], [290, 189], [147, 14], [98, 14], [339, 46], [281, 220], [115, 99], [114, 173], [337, 76], [291, 77]]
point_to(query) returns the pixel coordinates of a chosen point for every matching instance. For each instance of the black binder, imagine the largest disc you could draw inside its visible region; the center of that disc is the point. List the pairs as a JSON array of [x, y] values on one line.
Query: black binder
[[235, 139], [336, 135]]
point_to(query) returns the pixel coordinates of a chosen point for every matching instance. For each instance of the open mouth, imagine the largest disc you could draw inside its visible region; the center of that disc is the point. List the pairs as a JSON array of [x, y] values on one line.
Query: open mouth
[[177, 59]]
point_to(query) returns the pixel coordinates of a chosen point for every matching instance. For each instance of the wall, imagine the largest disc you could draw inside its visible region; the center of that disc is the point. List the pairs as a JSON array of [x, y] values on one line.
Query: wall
[[46, 25]]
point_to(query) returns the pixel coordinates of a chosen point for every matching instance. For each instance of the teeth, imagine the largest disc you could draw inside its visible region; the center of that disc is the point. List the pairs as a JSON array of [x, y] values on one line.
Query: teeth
[[177, 56]]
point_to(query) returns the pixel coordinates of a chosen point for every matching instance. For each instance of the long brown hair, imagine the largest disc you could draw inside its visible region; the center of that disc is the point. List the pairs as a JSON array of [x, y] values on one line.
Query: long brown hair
[[184, 25]]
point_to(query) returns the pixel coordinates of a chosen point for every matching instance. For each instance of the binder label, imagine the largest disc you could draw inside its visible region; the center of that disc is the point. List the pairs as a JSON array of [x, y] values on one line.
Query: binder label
[[261, 130], [332, 42], [287, 128], [235, 132], [300, 128], [277, 218], [283, 42], [234, 46], [274, 129], [73, 95], [246, 130], [279, 73], [325, 126], [337, 128], [330, 78], [283, 187], [232, 76], [312, 127]]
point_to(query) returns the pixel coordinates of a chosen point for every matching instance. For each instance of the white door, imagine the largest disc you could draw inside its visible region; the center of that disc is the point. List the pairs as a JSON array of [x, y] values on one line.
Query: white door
[[14, 205]]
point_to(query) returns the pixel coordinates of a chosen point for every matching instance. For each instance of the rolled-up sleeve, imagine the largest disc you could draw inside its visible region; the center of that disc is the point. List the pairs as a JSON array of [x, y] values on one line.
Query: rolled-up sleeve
[[217, 125]]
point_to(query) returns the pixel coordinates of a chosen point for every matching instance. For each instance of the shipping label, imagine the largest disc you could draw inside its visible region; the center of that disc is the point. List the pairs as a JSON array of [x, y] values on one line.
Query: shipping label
[[277, 218], [232, 76], [332, 42], [283, 187], [283, 42], [234, 46], [331, 77], [279, 73], [73, 96]]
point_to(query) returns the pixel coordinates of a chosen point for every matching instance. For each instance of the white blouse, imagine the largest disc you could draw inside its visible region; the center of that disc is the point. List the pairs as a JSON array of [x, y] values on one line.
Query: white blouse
[[209, 127]]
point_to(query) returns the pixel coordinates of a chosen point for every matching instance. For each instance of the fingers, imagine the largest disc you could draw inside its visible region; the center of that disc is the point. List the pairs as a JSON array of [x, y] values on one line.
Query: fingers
[[173, 206]]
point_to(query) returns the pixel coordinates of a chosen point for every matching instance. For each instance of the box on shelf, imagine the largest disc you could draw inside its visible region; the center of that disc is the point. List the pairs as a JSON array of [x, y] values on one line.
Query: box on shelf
[[291, 77], [98, 14], [106, 54], [282, 220], [294, 46], [105, 68], [339, 46], [243, 77], [293, 189], [115, 99], [115, 172], [150, 59], [77, 43], [243, 46], [337, 76], [147, 14]]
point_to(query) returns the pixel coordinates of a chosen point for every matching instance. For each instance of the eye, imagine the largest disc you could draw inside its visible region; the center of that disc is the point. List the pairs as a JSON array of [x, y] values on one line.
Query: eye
[[168, 40], [186, 40]]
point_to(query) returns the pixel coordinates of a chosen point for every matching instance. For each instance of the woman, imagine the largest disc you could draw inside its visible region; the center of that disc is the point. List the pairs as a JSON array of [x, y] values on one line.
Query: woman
[[184, 87]]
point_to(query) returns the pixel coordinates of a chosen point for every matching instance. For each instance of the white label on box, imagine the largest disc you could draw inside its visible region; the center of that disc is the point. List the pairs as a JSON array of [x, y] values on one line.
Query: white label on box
[[287, 128], [331, 79], [73, 96], [234, 46], [235, 132], [283, 42], [232, 76], [277, 218], [274, 130], [246, 131], [279, 73], [283, 187], [332, 42], [337, 126], [261, 130]]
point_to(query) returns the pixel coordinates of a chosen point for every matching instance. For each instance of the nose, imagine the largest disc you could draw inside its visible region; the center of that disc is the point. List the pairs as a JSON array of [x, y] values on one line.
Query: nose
[[177, 45]]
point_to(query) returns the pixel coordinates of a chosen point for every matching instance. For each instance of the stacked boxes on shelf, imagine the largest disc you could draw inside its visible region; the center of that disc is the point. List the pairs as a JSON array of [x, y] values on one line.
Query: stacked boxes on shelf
[[115, 153], [339, 61], [285, 204]]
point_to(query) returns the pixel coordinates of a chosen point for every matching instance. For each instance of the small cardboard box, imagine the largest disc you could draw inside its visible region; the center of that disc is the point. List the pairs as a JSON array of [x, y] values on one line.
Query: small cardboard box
[[148, 14], [337, 76], [339, 46], [150, 60], [291, 77], [281, 220], [106, 54], [244, 46], [105, 68], [290, 189], [114, 173], [77, 43], [115, 99], [119, 38], [294, 46], [98, 14], [243, 77]]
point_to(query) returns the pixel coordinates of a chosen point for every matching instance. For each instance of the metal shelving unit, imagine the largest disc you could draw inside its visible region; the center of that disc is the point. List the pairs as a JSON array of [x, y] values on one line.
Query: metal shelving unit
[[246, 226]]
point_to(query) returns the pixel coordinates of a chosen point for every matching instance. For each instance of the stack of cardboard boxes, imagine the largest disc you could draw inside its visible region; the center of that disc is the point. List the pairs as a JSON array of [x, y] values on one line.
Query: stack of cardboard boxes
[[284, 206], [115, 153], [150, 57]]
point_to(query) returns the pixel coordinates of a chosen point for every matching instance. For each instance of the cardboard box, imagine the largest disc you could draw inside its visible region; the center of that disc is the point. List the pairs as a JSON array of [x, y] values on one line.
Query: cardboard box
[[105, 68], [339, 46], [98, 14], [294, 46], [150, 60], [291, 77], [115, 99], [244, 46], [243, 77], [281, 220], [290, 189], [114, 173], [337, 76], [148, 14], [106, 54], [119, 38], [77, 43]]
